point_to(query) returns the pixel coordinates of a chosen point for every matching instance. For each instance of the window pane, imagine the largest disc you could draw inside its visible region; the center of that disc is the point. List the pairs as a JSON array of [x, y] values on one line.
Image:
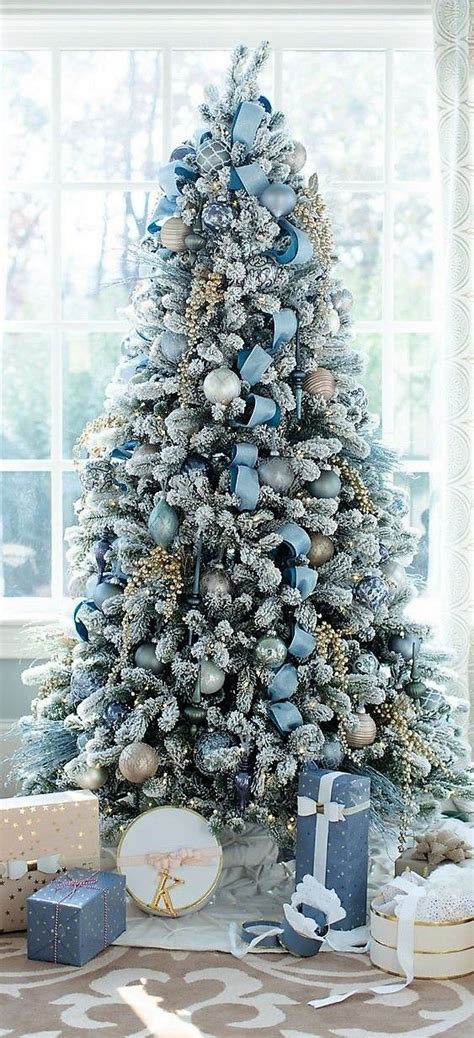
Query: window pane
[[417, 486], [28, 284], [413, 260], [27, 120], [88, 363], [357, 226], [71, 493], [191, 71], [98, 262], [370, 346], [335, 105], [414, 398], [413, 86], [26, 547], [111, 114], [25, 377]]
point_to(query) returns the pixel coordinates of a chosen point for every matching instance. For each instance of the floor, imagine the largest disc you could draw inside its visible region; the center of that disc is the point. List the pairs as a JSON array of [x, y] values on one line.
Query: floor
[[145, 993]]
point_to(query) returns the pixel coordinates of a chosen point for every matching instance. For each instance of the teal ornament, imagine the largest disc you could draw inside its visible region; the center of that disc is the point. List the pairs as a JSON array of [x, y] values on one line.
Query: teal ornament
[[270, 651], [279, 199], [104, 591], [404, 644], [145, 656], [371, 592], [212, 155], [194, 242], [433, 702], [173, 345], [211, 678], [163, 523], [331, 754], [327, 485], [205, 745]]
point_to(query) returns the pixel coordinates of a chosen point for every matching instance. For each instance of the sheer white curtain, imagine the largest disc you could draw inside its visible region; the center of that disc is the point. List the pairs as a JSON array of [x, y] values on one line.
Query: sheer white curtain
[[452, 21]]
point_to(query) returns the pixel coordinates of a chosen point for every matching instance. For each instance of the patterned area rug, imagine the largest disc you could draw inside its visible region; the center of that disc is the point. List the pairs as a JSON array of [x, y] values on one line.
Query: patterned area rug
[[146, 993]]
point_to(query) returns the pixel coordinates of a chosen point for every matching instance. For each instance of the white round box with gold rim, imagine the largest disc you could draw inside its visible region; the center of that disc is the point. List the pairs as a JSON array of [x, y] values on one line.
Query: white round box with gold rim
[[171, 860]]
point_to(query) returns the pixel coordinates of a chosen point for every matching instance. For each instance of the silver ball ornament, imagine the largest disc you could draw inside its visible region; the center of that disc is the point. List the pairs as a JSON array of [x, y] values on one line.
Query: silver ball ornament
[[205, 745], [330, 754], [173, 345], [320, 382], [403, 644], [215, 581], [277, 474], [138, 762], [212, 678], [221, 386], [326, 485], [271, 651], [321, 550], [145, 656], [394, 574], [297, 157], [93, 776], [279, 199]]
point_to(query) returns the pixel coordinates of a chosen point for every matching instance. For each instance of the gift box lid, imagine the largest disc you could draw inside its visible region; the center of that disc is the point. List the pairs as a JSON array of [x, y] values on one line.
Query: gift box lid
[[49, 824], [347, 788], [77, 887]]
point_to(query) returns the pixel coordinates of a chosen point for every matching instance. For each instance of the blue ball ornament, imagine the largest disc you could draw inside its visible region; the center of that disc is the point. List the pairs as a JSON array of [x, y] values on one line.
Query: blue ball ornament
[[217, 217], [279, 199], [331, 754], [327, 485], [102, 592], [83, 683], [371, 592], [115, 714], [404, 644]]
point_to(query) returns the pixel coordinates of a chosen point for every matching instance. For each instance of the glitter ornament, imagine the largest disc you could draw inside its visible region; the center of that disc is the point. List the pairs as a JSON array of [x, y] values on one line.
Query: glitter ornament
[[212, 678], [93, 776], [404, 645], [330, 754], [217, 217], [163, 523], [173, 345], [297, 157], [221, 386], [326, 485], [145, 657], [277, 474], [215, 581], [320, 382], [363, 732], [104, 591], [138, 762], [270, 651], [212, 155], [321, 550], [206, 744], [83, 683], [173, 234], [432, 702], [279, 199], [115, 714], [371, 592], [195, 463]]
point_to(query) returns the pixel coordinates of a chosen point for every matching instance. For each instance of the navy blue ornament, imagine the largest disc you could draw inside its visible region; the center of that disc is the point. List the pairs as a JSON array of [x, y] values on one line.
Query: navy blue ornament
[[195, 463], [115, 714], [181, 151], [217, 217], [83, 683], [243, 786], [205, 745], [371, 592], [79, 624], [383, 553]]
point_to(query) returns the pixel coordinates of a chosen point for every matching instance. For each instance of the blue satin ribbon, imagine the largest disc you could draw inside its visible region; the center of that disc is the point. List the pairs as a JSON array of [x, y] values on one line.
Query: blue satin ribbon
[[253, 363], [301, 577], [79, 625], [284, 683], [264, 412], [125, 450], [169, 177], [285, 716], [302, 643], [299, 249], [285, 324], [296, 539], [243, 476]]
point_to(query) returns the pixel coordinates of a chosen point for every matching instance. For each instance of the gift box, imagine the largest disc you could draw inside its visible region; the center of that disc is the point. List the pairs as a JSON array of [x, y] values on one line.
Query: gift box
[[431, 850], [43, 836], [424, 928], [332, 837], [76, 916]]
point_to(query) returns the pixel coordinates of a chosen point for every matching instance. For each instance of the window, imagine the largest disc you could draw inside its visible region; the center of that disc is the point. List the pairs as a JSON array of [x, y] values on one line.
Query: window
[[88, 126]]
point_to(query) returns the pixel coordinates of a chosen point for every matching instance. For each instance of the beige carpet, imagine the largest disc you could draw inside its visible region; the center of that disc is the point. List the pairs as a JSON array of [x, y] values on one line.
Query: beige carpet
[[144, 993]]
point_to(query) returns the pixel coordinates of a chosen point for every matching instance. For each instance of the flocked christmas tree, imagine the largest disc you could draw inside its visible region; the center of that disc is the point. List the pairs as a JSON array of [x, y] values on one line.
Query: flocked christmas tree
[[241, 548]]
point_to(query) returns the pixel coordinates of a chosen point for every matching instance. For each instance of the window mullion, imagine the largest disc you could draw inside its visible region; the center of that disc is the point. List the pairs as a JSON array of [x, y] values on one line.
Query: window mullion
[[166, 102], [388, 380], [56, 344]]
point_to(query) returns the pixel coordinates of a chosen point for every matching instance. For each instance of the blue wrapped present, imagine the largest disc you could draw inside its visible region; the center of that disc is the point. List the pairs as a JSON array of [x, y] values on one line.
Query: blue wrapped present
[[75, 916], [332, 837]]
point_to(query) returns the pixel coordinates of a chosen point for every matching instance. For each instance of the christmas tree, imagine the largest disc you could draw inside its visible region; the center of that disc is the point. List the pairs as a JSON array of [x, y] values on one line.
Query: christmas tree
[[240, 550]]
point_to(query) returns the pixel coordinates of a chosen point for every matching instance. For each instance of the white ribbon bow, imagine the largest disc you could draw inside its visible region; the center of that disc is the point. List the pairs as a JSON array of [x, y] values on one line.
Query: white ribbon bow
[[15, 868], [333, 811]]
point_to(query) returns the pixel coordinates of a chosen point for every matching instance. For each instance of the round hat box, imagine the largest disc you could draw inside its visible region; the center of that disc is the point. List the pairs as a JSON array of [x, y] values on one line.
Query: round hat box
[[171, 860]]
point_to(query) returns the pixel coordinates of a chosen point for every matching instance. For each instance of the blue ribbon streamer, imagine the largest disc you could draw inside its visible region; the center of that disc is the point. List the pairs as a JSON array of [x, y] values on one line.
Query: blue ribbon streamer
[[302, 643], [125, 450], [301, 577], [285, 715], [265, 411], [243, 476], [299, 249], [296, 539], [169, 178]]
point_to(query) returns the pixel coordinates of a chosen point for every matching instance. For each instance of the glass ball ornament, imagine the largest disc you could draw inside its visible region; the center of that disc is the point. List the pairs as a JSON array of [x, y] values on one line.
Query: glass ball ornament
[[194, 241], [366, 663], [206, 744], [83, 683], [277, 474], [270, 651], [279, 199], [102, 592], [321, 550], [330, 754], [371, 592], [173, 345], [362, 732], [163, 523], [212, 155], [195, 463], [215, 581], [217, 217], [433, 702], [265, 273], [296, 158], [181, 151], [320, 382], [415, 688], [211, 679], [404, 645], [115, 714], [221, 386], [92, 777], [145, 657], [138, 762], [394, 574], [173, 234], [326, 485]]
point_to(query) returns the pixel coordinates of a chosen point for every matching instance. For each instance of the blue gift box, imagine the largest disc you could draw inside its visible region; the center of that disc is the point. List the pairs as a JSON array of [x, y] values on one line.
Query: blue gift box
[[75, 916], [332, 837]]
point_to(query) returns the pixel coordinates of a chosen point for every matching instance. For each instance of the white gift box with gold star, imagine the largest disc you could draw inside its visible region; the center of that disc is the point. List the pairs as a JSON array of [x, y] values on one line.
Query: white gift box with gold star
[[41, 837], [171, 860]]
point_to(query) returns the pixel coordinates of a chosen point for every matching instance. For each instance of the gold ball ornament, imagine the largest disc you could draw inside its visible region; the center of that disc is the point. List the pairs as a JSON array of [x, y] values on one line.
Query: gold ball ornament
[[363, 732], [138, 762], [320, 382], [321, 550], [93, 776], [174, 233]]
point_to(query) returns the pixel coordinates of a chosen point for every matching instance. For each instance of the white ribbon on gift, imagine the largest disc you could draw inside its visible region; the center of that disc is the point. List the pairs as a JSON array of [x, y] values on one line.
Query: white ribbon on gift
[[16, 868], [328, 811]]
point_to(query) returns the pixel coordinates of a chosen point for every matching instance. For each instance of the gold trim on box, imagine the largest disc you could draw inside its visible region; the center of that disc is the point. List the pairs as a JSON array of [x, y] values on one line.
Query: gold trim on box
[[421, 922], [186, 908], [448, 951], [393, 973]]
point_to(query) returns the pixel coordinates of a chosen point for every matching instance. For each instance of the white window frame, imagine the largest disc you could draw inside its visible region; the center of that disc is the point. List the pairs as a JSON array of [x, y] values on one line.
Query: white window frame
[[114, 24]]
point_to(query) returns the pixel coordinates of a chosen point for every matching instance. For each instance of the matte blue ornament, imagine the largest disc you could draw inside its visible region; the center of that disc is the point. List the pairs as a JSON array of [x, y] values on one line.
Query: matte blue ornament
[[145, 656], [327, 485], [115, 714], [404, 644], [217, 217], [163, 523], [206, 744], [371, 592], [173, 345], [279, 199], [331, 754], [104, 591], [83, 683]]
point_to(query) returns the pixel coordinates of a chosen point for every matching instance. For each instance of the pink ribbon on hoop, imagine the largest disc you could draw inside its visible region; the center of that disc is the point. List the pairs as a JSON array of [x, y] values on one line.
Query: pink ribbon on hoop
[[73, 885], [161, 860]]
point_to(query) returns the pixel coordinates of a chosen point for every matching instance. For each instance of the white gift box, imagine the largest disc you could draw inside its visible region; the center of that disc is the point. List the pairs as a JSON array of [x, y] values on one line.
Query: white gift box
[[441, 950]]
